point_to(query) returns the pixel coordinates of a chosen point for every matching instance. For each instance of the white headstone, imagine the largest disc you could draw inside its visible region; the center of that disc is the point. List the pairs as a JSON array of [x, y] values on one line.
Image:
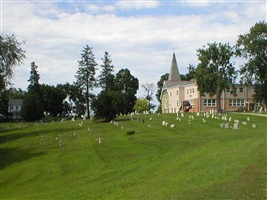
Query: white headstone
[[226, 125], [172, 125], [236, 125], [236, 121]]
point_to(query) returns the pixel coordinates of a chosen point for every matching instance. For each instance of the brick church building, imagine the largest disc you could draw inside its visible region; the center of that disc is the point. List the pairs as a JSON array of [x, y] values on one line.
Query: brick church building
[[176, 94]]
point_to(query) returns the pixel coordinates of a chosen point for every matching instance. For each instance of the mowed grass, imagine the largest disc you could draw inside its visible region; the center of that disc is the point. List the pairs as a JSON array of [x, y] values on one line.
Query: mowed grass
[[190, 161]]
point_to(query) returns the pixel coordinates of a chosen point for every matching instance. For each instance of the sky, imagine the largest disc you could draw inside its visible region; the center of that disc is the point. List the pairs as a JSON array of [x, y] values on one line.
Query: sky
[[140, 35]]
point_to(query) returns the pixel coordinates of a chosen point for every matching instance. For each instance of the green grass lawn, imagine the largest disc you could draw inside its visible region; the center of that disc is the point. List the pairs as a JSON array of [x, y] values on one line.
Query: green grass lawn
[[190, 161]]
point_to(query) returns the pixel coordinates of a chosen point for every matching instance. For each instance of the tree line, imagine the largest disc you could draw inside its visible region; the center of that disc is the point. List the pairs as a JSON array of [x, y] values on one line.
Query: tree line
[[78, 99], [214, 73]]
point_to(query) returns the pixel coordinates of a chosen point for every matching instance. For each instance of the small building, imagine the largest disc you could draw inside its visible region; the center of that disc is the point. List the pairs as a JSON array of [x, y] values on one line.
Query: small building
[[14, 108], [176, 92]]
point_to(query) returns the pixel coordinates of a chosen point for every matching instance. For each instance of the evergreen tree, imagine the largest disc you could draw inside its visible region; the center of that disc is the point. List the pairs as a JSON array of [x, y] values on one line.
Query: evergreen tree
[[34, 85], [33, 104], [106, 77], [215, 72], [86, 74]]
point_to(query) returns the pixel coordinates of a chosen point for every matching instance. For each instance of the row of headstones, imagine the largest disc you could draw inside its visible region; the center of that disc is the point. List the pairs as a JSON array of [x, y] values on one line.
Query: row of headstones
[[235, 126]]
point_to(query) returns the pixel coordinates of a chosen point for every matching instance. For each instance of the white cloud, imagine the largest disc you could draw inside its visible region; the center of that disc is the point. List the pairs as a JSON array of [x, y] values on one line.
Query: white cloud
[[139, 4], [144, 43], [196, 3]]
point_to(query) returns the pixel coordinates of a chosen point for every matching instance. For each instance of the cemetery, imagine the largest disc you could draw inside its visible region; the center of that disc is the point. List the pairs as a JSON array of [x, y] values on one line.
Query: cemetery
[[147, 156]]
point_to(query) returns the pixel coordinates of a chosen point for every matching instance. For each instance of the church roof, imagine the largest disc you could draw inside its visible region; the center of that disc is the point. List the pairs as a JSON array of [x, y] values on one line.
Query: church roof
[[174, 72]]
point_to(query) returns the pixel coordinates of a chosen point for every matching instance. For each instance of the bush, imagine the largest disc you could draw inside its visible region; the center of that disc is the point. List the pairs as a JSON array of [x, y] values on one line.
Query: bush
[[130, 132]]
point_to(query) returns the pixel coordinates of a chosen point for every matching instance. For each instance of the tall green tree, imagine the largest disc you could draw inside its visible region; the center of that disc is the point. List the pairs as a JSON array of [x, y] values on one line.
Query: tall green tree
[[75, 100], [128, 85], [215, 72], [253, 47], [34, 85], [33, 104], [53, 98], [11, 54], [86, 74], [106, 78], [104, 105]]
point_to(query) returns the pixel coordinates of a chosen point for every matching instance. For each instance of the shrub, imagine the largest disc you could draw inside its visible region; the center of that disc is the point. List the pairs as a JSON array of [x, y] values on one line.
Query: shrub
[[130, 132]]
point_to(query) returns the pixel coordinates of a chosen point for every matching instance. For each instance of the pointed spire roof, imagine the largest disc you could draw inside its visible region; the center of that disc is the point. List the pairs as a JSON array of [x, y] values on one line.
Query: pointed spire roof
[[174, 72]]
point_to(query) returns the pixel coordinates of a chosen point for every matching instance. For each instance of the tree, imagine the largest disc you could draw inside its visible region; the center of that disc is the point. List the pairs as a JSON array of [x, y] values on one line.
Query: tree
[[34, 85], [86, 74], [106, 77], [33, 104], [141, 105], [190, 75], [163, 78], [253, 47], [16, 93], [11, 54], [215, 72], [104, 105], [53, 98], [149, 90], [128, 85], [75, 100]]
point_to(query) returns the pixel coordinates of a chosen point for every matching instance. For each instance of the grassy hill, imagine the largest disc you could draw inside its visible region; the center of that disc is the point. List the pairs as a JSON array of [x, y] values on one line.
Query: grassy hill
[[193, 160]]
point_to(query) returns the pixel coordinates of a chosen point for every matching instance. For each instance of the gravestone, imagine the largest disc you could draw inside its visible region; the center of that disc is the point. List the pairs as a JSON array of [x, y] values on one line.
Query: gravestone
[[236, 126], [226, 125]]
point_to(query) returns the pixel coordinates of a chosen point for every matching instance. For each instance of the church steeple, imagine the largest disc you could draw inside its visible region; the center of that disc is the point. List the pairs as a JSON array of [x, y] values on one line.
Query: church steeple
[[174, 72]]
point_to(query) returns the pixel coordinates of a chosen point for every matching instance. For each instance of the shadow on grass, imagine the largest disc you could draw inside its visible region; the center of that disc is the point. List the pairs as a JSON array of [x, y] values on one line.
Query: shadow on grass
[[9, 136], [10, 156]]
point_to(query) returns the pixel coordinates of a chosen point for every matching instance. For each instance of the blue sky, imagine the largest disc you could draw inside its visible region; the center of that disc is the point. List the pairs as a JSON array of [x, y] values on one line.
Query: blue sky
[[139, 35]]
